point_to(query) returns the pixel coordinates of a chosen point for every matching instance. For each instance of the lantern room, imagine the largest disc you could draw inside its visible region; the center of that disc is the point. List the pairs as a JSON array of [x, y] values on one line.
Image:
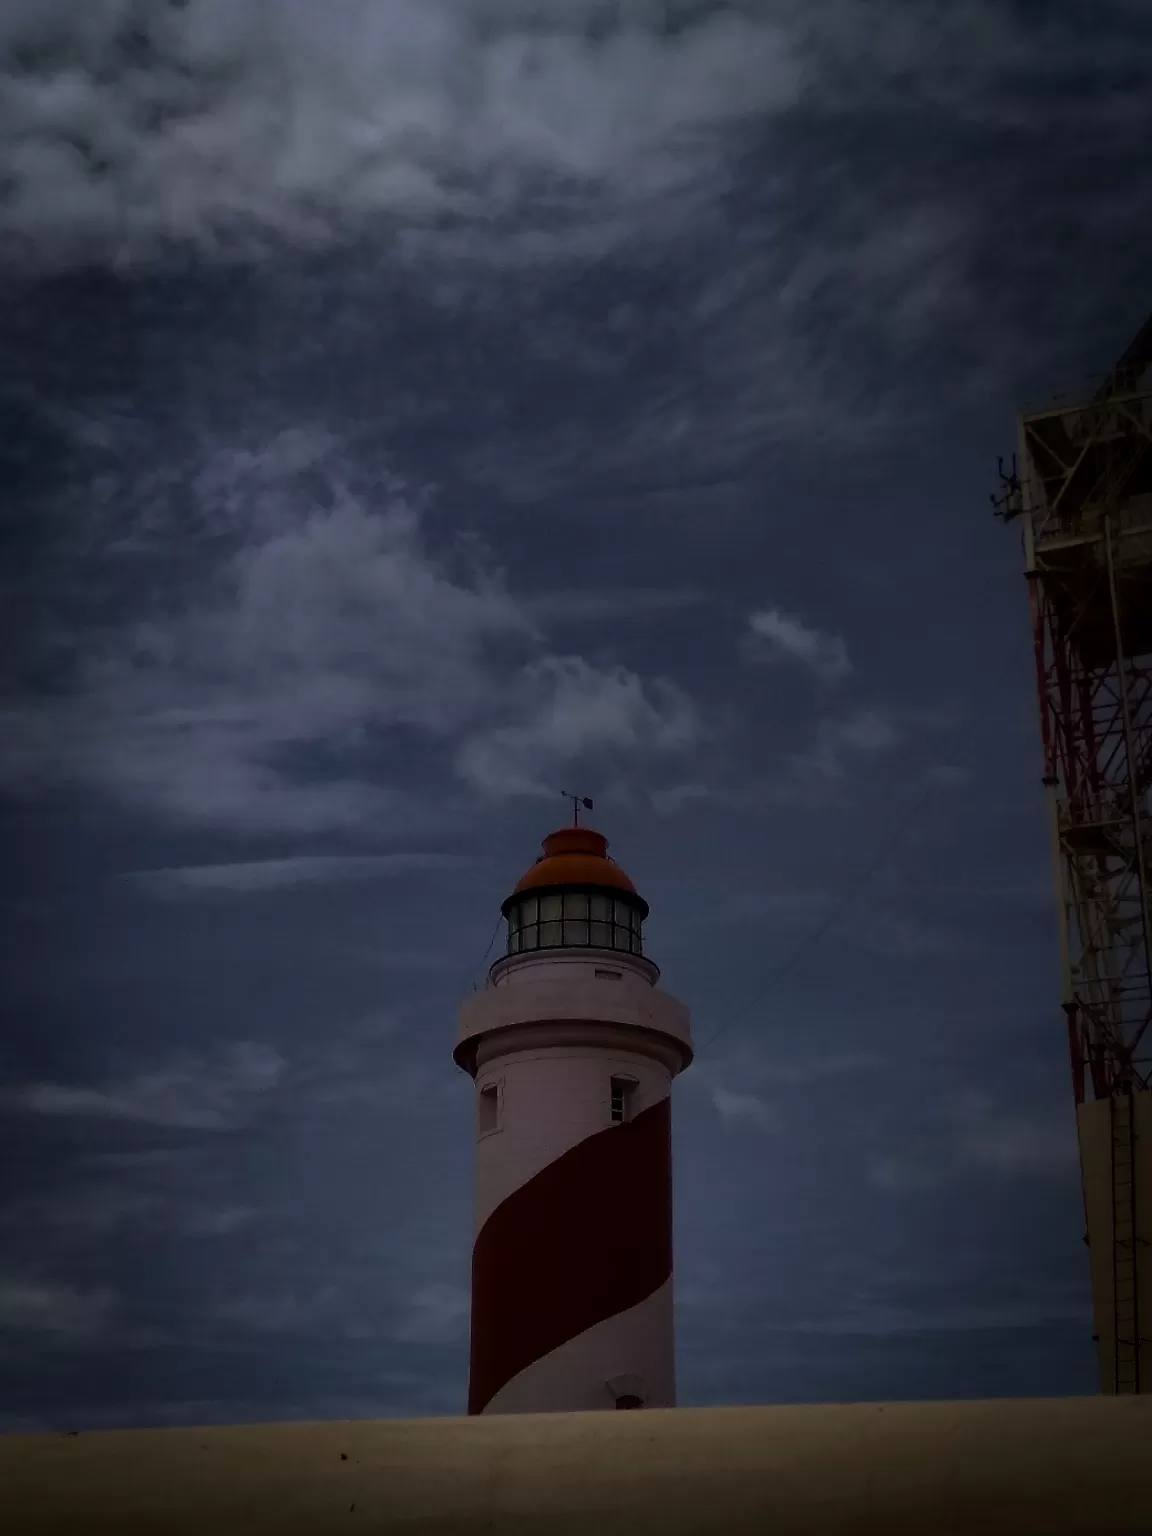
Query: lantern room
[[575, 896]]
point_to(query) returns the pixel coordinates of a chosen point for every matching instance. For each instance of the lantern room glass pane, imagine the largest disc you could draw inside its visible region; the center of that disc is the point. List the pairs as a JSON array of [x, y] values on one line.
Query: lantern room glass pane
[[575, 931], [550, 908], [550, 935], [601, 935], [601, 909], [515, 920], [513, 941], [529, 937], [529, 909], [575, 904]]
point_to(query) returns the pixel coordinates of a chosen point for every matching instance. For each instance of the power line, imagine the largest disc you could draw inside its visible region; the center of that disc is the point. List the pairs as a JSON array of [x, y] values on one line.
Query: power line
[[491, 941], [887, 846]]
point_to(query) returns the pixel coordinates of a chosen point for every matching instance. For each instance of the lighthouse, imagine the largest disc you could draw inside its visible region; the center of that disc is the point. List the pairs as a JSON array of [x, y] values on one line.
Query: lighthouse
[[573, 1046]]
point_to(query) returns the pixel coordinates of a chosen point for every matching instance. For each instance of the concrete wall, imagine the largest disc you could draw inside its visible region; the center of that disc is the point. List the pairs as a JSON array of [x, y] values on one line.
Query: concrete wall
[[1073, 1467]]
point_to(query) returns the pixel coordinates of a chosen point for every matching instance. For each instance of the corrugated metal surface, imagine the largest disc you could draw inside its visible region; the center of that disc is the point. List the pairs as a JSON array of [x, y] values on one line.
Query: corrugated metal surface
[[1116, 1164]]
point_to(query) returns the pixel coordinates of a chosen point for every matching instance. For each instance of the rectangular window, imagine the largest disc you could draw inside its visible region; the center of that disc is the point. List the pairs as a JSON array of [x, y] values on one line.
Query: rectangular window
[[550, 908], [609, 975], [601, 909], [528, 907], [623, 1093], [601, 935], [489, 1108], [575, 904], [575, 932]]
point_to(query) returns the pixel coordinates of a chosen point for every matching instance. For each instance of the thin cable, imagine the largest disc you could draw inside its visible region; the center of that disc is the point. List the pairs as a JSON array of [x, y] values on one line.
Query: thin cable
[[491, 941], [898, 828], [888, 845]]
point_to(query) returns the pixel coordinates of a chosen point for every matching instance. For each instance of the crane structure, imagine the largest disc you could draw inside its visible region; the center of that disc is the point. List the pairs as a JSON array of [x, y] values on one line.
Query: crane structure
[[1081, 489]]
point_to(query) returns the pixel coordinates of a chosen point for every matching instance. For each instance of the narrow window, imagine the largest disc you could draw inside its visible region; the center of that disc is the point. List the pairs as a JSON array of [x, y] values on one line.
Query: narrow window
[[551, 931], [489, 1108], [623, 1090], [629, 1401]]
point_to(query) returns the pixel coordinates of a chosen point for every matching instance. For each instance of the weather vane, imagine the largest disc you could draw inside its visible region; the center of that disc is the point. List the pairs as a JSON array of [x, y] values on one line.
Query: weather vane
[[577, 802]]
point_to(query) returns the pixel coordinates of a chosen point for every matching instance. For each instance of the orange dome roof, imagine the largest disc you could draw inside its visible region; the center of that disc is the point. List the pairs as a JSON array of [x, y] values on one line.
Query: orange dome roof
[[575, 856]]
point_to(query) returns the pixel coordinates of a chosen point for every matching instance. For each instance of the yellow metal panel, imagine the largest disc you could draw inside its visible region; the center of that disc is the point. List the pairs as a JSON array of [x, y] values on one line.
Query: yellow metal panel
[[1116, 1165]]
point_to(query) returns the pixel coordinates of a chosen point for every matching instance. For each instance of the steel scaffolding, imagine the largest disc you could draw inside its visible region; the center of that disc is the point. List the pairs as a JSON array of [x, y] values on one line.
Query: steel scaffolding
[[1081, 487]]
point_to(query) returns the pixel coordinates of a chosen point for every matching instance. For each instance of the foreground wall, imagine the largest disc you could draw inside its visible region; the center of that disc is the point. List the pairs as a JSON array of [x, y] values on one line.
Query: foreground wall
[[1034, 1468]]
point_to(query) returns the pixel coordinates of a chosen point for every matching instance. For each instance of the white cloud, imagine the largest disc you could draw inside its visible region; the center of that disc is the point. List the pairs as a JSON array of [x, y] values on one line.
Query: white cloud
[[328, 622], [218, 120], [195, 1093], [843, 740], [777, 636], [47, 1307], [737, 1109], [285, 874], [126, 126], [888, 1171], [106, 1206], [566, 709], [976, 1135], [882, 930], [1009, 1142], [433, 1313], [667, 802], [753, 1067], [284, 1313], [620, 605]]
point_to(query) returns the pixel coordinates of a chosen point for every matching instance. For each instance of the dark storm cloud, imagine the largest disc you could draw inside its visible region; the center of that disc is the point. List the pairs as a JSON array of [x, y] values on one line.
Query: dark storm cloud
[[417, 409]]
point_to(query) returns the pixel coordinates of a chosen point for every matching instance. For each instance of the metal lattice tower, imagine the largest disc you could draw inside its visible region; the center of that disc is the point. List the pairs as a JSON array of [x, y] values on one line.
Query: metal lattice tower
[[1082, 490]]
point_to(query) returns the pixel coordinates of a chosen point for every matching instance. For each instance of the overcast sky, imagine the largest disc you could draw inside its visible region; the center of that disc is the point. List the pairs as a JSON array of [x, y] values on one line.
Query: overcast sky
[[412, 409]]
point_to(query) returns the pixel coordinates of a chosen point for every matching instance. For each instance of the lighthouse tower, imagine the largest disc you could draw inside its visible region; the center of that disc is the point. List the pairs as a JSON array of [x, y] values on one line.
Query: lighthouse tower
[[573, 1048]]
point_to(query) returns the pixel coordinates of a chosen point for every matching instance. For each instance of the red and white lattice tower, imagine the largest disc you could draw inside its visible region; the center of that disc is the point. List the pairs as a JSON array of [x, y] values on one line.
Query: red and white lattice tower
[[1082, 492], [573, 1048]]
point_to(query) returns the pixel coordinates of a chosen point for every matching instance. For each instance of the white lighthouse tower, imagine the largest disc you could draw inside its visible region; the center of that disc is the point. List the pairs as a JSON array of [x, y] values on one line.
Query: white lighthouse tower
[[573, 1048]]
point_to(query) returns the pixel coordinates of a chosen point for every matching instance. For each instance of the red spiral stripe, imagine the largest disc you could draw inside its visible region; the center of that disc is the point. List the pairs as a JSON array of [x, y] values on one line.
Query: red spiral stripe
[[586, 1238]]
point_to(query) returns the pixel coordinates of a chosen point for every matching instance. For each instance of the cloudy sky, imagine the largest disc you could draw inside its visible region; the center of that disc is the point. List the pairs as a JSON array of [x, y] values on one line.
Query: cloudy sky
[[410, 410]]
